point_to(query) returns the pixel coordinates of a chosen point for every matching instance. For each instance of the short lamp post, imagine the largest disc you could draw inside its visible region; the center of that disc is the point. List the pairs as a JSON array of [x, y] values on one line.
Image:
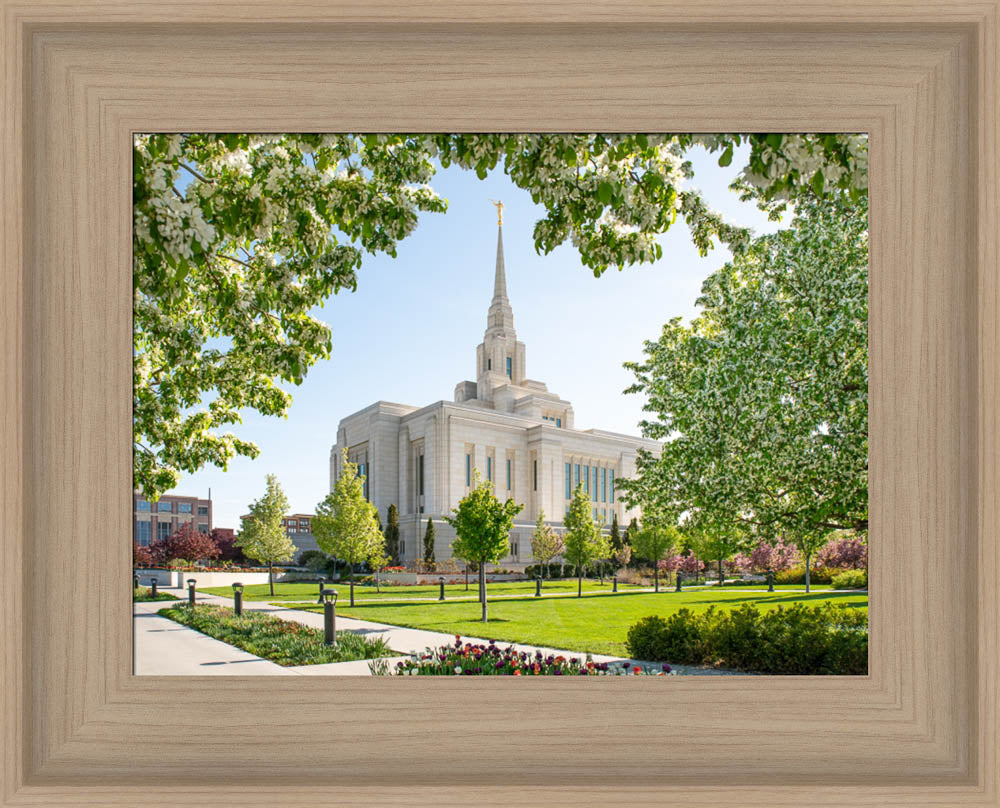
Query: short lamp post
[[329, 616], [614, 584], [191, 583], [441, 584], [135, 581], [152, 587], [770, 581], [680, 578], [322, 583], [238, 599], [538, 586]]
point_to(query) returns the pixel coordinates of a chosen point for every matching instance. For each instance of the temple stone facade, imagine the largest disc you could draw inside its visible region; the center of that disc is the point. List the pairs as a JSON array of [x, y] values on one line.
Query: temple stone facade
[[510, 428]]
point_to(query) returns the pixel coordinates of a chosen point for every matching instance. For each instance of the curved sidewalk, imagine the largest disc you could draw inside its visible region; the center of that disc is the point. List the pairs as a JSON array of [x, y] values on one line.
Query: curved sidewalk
[[180, 654]]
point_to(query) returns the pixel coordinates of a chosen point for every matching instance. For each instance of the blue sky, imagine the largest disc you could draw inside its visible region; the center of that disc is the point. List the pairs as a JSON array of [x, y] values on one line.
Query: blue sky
[[410, 332]]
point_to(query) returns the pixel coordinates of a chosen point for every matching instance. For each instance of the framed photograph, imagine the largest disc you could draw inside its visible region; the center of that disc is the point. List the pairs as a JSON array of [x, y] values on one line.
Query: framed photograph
[[139, 137]]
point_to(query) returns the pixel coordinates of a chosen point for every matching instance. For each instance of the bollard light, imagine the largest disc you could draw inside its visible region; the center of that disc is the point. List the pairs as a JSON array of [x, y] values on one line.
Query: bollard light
[[135, 581], [152, 586], [441, 583], [238, 599], [614, 584], [329, 597], [191, 583], [321, 580], [680, 575], [770, 581], [538, 587]]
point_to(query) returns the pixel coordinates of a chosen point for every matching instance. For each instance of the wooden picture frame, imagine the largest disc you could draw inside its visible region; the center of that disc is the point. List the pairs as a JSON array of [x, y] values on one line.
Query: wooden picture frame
[[79, 78]]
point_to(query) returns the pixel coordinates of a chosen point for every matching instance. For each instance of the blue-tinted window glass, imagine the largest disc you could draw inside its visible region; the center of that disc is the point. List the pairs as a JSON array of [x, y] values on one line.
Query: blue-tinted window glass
[[604, 485], [576, 482], [611, 483], [595, 485], [142, 505], [468, 469], [489, 468], [586, 479], [508, 474], [569, 482], [508, 367], [143, 532], [559, 422]]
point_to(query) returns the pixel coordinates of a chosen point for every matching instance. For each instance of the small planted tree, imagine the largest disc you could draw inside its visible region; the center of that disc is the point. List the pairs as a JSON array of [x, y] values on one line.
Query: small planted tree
[[546, 544], [346, 524], [654, 542], [581, 539], [482, 524], [429, 546], [263, 536], [391, 534]]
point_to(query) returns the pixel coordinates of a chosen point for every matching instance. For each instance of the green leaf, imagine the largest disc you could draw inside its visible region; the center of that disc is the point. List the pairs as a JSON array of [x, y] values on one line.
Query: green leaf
[[605, 192], [727, 156]]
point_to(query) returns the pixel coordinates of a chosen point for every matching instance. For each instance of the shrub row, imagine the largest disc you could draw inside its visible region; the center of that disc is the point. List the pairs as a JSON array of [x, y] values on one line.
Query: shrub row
[[851, 579], [797, 575], [799, 639], [281, 641]]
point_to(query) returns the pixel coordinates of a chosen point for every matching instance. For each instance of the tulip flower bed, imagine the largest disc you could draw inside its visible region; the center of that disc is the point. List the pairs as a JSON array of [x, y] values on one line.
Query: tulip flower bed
[[466, 659], [281, 641]]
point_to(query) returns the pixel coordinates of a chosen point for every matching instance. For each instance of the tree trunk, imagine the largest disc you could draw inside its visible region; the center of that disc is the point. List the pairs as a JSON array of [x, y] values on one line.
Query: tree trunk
[[466, 575], [722, 577], [378, 583], [482, 588], [270, 575], [601, 570], [579, 580], [656, 578], [352, 584], [808, 555]]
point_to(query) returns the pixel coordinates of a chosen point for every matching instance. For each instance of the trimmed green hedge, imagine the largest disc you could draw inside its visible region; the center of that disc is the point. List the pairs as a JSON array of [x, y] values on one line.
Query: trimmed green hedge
[[851, 579], [798, 639], [282, 641], [797, 575]]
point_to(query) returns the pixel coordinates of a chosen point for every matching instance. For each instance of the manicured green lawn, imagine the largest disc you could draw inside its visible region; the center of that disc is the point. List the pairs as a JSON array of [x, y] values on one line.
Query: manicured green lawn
[[310, 592], [596, 624]]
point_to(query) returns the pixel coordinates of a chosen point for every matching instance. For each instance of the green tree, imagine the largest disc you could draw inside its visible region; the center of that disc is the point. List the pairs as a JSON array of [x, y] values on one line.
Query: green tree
[[582, 535], [614, 537], [654, 542], [238, 238], [482, 526], [392, 534], [546, 544], [719, 543], [346, 524], [762, 400], [807, 543], [429, 545], [262, 536]]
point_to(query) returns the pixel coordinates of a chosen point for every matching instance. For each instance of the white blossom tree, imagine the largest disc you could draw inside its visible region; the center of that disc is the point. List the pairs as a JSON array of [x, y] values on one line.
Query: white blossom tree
[[762, 400], [238, 237]]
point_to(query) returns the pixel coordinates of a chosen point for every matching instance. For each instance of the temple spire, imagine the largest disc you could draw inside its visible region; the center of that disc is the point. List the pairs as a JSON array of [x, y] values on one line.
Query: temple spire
[[500, 281]]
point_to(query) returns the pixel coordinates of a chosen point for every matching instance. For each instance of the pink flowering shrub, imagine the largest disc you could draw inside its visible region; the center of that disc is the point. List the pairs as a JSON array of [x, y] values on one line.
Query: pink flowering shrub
[[775, 557], [843, 554]]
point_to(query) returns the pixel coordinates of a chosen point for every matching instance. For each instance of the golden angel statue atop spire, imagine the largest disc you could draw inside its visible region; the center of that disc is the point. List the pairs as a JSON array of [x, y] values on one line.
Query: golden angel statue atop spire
[[499, 206]]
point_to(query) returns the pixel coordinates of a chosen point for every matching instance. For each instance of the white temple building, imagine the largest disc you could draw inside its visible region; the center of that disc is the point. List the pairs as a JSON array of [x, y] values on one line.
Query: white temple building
[[510, 428]]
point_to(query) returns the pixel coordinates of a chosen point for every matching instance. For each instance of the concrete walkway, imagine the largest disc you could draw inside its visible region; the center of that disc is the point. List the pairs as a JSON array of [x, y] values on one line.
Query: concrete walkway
[[178, 653]]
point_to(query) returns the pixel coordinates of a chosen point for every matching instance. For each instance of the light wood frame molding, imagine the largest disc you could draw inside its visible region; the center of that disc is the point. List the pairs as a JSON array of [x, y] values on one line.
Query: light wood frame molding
[[77, 728]]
